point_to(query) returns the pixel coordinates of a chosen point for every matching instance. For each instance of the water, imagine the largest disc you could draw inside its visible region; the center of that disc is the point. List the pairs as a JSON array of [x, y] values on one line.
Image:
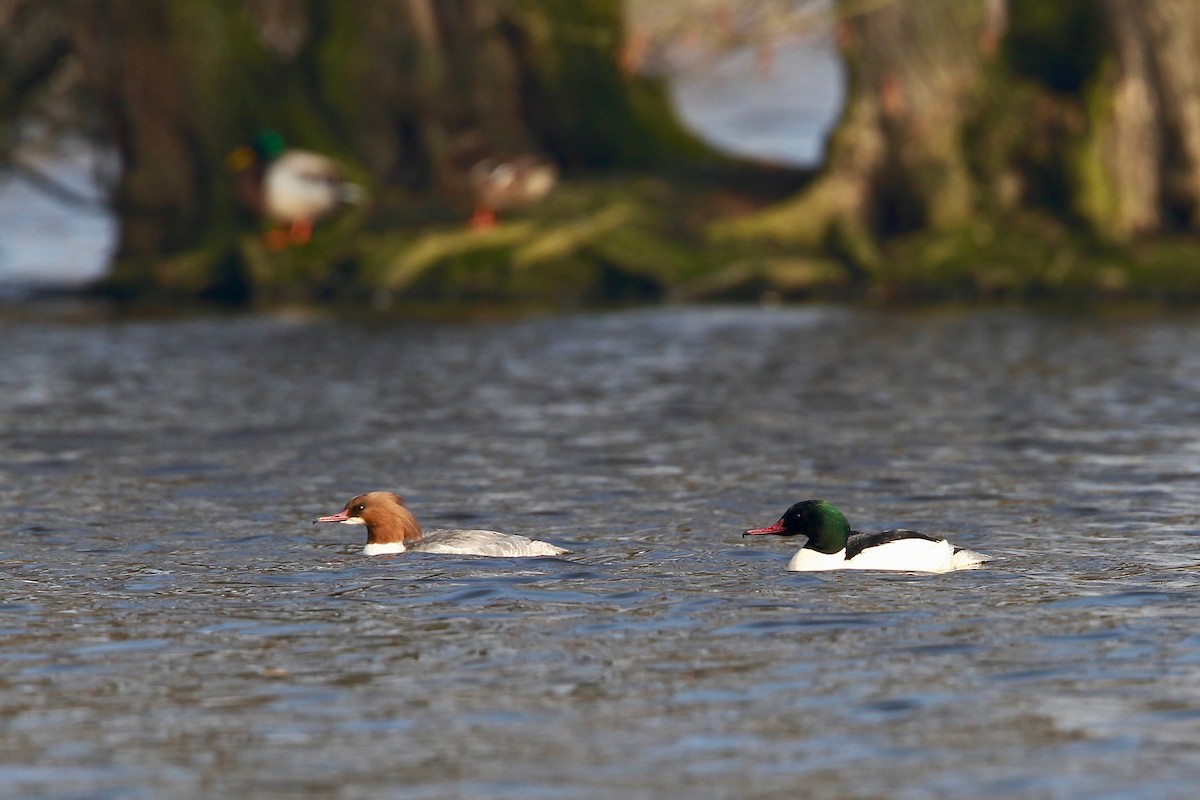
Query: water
[[173, 626], [781, 113], [46, 243]]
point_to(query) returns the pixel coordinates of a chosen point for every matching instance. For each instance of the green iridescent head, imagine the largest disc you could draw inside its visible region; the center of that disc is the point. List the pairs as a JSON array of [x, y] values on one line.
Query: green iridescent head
[[819, 520]]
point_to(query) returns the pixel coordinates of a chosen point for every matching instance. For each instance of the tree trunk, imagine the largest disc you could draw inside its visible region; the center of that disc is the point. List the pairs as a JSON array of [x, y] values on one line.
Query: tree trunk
[[36, 43], [1148, 133], [1087, 109], [163, 197], [896, 160]]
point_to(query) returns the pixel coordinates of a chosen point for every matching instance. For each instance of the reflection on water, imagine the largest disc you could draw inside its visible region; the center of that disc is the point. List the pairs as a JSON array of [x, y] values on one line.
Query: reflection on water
[[174, 626], [44, 240], [780, 114]]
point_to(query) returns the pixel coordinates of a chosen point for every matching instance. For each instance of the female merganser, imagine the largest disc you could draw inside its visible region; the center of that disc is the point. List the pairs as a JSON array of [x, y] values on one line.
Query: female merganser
[[391, 528], [832, 545]]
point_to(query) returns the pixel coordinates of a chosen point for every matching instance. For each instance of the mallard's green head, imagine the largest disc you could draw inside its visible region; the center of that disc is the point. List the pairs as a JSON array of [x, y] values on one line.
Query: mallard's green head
[[262, 150], [268, 146], [819, 520]]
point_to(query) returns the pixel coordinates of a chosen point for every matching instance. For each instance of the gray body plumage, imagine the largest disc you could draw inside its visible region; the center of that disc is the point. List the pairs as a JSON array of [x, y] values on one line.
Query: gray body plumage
[[483, 543]]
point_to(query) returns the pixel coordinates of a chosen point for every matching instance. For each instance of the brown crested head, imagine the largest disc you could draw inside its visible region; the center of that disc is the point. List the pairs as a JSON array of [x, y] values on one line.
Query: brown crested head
[[385, 515]]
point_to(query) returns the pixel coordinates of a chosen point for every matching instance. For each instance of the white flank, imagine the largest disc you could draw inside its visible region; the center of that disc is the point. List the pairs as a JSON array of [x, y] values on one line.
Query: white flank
[[905, 555]]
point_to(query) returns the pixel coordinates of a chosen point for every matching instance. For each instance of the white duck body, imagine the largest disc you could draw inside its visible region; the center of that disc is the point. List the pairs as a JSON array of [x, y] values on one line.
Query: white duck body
[[302, 185], [904, 554]]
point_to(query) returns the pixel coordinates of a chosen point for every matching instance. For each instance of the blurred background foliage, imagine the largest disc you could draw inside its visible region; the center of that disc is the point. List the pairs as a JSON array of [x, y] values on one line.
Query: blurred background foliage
[[985, 148]]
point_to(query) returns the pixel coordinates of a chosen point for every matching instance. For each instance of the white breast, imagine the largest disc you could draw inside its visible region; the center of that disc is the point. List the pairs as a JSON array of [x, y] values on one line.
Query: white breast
[[386, 548]]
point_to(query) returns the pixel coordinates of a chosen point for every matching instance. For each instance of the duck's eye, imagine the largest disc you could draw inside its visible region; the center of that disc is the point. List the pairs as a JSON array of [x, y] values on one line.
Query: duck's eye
[[358, 509]]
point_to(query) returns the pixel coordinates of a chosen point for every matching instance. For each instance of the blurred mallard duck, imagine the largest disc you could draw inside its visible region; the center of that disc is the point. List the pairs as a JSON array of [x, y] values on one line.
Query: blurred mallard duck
[[501, 184], [290, 188]]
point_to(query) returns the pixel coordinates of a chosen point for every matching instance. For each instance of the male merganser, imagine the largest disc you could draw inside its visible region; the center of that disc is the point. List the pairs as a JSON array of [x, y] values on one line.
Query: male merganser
[[832, 545], [392, 528]]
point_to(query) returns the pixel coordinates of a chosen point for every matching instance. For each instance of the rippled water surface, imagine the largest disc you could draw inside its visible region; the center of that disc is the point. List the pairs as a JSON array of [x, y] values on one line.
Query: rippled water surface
[[173, 626]]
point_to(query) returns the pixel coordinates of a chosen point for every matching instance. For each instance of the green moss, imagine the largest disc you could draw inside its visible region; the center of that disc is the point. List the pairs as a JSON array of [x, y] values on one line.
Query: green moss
[[1165, 269], [590, 239], [567, 281], [974, 261], [1032, 257], [400, 262], [651, 255], [1095, 194], [563, 240]]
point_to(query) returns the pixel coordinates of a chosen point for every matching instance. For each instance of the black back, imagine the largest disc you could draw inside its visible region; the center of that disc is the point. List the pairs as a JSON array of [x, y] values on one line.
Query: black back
[[861, 541]]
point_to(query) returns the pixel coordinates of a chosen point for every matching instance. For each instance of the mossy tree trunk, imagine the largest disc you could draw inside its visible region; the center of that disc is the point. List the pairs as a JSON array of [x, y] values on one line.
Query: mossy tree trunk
[[895, 162], [1145, 121], [34, 44], [966, 112], [164, 198]]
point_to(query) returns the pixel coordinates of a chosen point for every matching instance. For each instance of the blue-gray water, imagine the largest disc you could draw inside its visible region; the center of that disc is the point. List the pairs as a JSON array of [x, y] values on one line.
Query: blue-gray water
[[173, 626]]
